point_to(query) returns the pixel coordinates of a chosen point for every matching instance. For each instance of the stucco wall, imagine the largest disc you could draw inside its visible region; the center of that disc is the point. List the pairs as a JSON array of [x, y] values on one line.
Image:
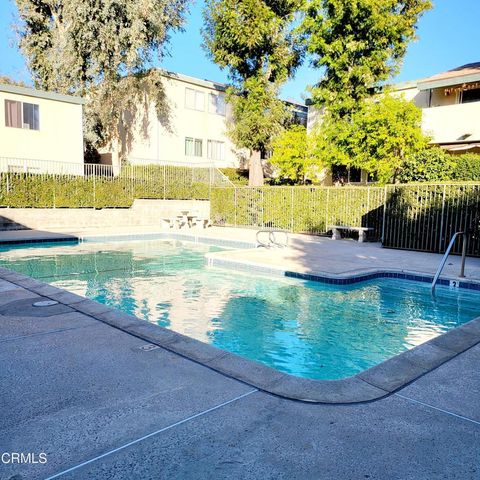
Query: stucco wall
[[452, 122], [59, 139], [153, 140], [142, 213]]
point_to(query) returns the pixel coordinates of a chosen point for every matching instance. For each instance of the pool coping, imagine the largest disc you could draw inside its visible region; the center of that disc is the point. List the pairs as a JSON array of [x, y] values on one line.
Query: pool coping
[[372, 384]]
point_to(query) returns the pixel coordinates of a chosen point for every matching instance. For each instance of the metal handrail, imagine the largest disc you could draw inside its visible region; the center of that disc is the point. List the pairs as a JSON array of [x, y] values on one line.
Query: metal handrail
[[272, 241], [275, 242], [445, 256]]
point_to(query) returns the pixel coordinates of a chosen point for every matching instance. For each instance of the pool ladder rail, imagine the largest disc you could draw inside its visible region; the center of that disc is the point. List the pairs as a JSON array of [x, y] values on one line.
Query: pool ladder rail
[[272, 240], [445, 256]]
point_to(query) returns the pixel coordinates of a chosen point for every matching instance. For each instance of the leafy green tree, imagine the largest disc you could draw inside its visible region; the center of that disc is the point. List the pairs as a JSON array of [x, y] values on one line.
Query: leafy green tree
[[101, 50], [358, 43], [430, 165], [377, 137], [291, 156], [255, 40]]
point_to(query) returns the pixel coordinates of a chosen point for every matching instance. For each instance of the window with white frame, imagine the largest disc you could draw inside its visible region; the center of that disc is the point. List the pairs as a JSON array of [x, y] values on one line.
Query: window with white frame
[[216, 104], [194, 99], [193, 147], [215, 150], [22, 115]]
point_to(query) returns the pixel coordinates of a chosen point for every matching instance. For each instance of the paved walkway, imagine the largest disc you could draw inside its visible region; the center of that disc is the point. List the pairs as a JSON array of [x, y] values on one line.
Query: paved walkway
[[102, 406]]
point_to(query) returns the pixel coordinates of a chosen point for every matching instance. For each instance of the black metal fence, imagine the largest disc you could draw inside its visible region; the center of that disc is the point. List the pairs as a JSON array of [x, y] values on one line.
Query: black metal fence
[[416, 216]]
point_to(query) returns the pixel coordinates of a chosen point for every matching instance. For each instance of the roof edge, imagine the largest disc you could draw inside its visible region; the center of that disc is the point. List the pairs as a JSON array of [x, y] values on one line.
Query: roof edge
[[32, 92]]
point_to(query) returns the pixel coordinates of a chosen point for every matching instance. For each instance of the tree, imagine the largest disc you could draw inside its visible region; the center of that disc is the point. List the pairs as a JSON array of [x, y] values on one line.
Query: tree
[[6, 80], [291, 154], [255, 40], [358, 43], [99, 50], [377, 137]]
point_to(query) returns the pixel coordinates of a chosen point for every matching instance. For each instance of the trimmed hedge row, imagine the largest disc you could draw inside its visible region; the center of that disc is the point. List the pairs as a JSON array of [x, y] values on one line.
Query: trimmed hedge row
[[299, 209], [417, 216], [47, 191]]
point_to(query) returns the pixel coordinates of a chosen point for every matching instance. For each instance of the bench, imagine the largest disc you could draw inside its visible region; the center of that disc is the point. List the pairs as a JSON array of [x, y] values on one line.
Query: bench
[[362, 231]]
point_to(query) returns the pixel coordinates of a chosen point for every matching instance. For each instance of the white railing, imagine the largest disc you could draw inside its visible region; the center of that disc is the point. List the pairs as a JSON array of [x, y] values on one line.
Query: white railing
[[143, 169]]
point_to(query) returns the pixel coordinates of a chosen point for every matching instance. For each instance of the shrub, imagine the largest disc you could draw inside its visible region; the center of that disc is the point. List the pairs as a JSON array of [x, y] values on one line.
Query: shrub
[[237, 176], [468, 167], [431, 165]]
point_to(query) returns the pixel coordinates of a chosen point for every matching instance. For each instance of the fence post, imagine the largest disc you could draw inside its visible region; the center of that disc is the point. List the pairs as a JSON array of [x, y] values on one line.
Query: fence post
[[263, 208], [384, 216], [368, 207], [292, 199], [164, 181], [235, 205], [440, 238], [94, 191], [326, 209]]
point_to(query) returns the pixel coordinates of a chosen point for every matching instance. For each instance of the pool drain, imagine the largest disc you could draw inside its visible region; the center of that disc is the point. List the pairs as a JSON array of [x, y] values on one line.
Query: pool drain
[[45, 303], [148, 347]]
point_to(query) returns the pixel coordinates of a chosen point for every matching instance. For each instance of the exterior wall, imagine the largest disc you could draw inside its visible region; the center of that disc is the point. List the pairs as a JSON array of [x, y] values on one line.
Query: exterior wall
[[59, 138], [452, 123], [155, 142], [142, 213]]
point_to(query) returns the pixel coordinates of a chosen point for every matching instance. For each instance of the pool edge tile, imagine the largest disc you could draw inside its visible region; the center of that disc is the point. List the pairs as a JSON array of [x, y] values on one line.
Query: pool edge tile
[[372, 384]]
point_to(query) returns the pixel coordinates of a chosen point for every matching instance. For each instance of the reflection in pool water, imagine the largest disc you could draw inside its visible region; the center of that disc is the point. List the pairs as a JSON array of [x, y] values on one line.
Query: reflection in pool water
[[304, 328]]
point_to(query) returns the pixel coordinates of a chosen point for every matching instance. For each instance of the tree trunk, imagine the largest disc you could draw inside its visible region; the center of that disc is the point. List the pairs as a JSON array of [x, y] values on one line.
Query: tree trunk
[[255, 170]]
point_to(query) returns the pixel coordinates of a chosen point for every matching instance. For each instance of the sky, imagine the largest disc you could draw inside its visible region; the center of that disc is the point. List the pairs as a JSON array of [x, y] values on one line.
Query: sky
[[449, 36]]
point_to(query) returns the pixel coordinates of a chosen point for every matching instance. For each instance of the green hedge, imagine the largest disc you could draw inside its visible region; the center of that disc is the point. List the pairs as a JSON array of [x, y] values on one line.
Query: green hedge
[[48, 191], [467, 167], [417, 216], [299, 209], [237, 176]]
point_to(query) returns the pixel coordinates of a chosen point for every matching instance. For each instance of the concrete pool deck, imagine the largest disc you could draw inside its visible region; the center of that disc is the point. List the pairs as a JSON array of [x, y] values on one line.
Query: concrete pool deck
[[102, 403], [105, 403]]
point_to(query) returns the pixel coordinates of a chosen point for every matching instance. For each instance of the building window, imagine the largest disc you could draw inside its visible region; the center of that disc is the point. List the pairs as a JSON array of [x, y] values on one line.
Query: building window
[[216, 104], [30, 116], [343, 174], [469, 96], [193, 147], [215, 150], [194, 99], [21, 115]]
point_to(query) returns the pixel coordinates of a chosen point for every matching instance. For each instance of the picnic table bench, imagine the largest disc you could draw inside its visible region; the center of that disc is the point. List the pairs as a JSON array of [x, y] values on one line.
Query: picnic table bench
[[336, 229]]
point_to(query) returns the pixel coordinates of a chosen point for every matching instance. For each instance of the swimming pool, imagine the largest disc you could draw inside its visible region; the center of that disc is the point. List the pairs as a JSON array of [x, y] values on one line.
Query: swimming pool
[[304, 328]]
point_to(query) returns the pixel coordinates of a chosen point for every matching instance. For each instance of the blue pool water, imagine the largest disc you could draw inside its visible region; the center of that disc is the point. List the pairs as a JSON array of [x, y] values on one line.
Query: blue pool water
[[308, 329]]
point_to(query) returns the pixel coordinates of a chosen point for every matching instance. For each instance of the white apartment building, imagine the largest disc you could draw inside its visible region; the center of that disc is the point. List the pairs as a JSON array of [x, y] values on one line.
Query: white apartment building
[[40, 131]]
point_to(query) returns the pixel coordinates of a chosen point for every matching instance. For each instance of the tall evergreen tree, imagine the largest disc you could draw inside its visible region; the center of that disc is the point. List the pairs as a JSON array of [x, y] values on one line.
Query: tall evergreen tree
[[101, 50], [255, 41], [358, 43]]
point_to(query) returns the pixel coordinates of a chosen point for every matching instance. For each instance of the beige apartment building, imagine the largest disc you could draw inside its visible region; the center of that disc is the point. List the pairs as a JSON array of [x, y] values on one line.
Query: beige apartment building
[[40, 131], [450, 103], [195, 131]]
